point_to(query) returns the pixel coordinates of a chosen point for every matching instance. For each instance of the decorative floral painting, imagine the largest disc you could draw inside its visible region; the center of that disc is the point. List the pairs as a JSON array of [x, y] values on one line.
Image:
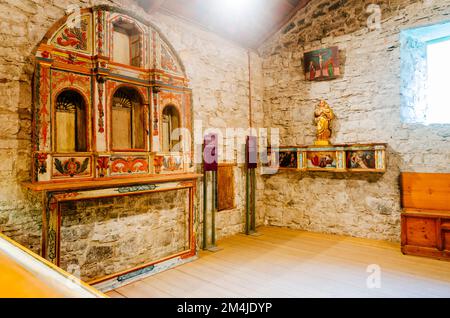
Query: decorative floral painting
[[71, 167], [361, 160], [321, 65], [321, 160], [75, 37], [288, 159]]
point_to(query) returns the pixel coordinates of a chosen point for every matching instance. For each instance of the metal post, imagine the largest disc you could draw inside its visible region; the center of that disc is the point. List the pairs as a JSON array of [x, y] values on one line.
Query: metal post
[[253, 201], [213, 208], [205, 210], [247, 211]]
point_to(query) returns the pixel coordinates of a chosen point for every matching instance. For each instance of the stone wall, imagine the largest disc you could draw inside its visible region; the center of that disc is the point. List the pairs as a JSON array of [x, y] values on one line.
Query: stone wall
[[367, 102], [106, 236], [219, 74]]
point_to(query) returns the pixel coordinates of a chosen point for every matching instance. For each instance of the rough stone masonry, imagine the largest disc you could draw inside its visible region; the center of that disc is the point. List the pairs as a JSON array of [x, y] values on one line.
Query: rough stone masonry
[[366, 100], [106, 236]]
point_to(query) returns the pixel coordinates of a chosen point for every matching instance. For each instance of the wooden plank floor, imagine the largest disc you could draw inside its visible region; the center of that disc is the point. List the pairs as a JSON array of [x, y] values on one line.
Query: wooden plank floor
[[289, 263]]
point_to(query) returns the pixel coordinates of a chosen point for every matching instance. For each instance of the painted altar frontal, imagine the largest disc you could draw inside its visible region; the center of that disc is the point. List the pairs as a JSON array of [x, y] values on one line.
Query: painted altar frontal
[[333, 158]]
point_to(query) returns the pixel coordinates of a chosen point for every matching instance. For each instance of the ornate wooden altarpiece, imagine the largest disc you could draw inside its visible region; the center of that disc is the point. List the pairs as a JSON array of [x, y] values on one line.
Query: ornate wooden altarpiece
[[109, 94]]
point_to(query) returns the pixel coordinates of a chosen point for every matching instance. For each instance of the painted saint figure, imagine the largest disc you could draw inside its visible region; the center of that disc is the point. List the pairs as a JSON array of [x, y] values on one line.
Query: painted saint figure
[[323, 117], [312, 71], [330, 69]]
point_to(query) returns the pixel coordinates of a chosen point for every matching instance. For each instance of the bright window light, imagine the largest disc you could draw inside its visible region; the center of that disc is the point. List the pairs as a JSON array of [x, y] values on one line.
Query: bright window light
[[438, 60]]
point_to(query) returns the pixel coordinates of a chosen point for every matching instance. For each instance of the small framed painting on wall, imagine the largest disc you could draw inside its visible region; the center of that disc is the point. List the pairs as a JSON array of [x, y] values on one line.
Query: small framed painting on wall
[[322, 64], [321, 160], [288, 159], [364, 160]]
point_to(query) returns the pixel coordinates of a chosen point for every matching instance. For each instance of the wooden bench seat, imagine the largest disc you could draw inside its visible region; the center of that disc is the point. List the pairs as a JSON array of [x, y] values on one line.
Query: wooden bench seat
[[426, 214]]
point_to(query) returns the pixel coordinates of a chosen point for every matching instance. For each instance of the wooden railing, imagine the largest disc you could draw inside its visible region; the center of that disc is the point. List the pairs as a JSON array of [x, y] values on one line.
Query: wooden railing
[[23, 274]]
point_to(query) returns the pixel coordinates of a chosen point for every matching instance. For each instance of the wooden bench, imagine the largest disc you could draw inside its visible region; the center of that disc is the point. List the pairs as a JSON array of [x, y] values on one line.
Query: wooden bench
[[426, 214]]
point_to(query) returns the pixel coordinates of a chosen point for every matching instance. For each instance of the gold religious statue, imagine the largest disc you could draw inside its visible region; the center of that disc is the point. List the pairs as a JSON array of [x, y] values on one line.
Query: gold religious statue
[[323, 117]]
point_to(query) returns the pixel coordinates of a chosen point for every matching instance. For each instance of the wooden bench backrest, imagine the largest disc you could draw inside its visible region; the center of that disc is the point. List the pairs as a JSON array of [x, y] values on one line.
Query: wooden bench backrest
[[425, 191]]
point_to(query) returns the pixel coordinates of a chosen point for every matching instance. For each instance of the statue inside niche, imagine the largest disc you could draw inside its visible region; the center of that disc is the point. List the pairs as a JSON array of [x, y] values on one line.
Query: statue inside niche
[[323, 117]]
